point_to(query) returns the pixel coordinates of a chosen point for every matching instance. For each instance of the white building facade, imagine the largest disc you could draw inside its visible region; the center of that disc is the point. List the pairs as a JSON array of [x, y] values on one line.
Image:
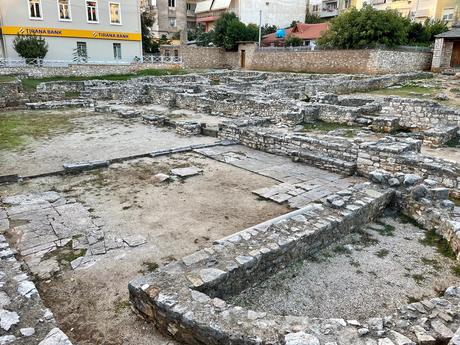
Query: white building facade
[[274, 12], [96, 30]]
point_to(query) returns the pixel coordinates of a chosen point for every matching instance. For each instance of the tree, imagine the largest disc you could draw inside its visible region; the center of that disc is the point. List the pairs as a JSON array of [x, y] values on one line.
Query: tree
[[228, 30], [269, 29], [311, 18], [149, 44], [30, 47], [293, 41], [366, 28]]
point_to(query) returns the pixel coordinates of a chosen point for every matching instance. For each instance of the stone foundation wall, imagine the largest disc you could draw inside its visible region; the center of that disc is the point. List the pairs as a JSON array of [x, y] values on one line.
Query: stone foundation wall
[[326, 152], [87, 70], [208, 57], [420, 114], [10, 94]]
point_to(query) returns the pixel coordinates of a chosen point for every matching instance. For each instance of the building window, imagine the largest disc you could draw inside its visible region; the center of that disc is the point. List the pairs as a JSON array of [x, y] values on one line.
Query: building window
[[315, 8], [91, 12], [35, 9], [172, 3], [115, 13], [117, 51], [81, 54], [64, 10], [347, 3], [172, 22], [191, 24], [190, 6], [448, 14]]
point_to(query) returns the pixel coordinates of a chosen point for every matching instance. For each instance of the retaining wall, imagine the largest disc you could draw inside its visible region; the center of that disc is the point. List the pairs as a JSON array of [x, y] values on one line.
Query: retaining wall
[[86, 70]]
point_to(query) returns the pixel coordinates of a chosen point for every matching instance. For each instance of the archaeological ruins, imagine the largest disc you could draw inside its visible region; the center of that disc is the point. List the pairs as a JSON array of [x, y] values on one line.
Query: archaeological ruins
[[231, 207]]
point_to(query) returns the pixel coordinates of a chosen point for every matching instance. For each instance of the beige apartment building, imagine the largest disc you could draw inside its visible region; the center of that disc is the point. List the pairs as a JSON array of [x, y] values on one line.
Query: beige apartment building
[[173, 18], [102, 30]]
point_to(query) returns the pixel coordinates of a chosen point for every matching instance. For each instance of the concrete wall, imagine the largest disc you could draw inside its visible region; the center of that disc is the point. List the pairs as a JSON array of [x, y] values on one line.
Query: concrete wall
[[206, 57]]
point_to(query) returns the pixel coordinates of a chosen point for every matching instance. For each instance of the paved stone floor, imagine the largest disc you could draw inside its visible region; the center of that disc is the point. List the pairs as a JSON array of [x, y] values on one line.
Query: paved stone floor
[[300, 184]]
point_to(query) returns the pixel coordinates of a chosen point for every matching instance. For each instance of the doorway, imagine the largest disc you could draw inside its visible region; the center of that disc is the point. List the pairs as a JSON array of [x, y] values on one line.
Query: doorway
[[455, 60], [243, 59]]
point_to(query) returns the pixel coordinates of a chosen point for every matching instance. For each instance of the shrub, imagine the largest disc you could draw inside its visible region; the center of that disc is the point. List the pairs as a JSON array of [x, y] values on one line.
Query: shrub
[[293, 41], [424, 34], [366, 28], [149, 44], [311, 18], [30, 47]]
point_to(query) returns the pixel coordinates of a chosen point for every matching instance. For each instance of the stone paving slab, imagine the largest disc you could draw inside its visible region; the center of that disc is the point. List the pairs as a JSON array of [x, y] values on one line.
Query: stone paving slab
[[300, 183], [24, 320]]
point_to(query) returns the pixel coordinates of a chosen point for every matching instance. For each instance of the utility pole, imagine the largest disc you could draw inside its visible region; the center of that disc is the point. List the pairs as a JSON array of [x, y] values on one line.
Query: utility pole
[[260, 28]]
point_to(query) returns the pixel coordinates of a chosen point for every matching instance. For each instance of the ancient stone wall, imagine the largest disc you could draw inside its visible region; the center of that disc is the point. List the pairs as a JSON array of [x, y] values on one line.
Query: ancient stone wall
[[207, 57], [10, 93], [87, 70], [421, 114]]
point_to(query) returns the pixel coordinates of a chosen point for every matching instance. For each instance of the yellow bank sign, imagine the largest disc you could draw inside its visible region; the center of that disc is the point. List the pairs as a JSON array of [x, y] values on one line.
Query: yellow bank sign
[[56, 32]]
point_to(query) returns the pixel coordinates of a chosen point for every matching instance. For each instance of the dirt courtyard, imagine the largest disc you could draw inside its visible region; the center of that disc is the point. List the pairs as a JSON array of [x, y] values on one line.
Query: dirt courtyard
[[176, 217], [36, 142]]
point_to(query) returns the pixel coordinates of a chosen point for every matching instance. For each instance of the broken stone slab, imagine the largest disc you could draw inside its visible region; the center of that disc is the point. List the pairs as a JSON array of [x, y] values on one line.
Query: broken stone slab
[[83, 166], [27, 289], [161, 177], [56, 337], [8, 319], [300, 338], [186, 172], [7, 339], [83, 262], [27, 332], [135, 240]]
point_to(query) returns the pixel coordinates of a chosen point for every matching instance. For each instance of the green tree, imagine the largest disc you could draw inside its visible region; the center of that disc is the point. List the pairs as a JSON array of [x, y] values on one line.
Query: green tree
[[424, 34], [366, 28], [30, 47], [311, 18], [268, 29], [293, 41], [149, 44], [205, 39], [229, 30]]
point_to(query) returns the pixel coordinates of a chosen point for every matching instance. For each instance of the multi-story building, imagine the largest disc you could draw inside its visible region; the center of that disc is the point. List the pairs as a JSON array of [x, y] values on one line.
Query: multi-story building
[[173, 18], [418, 10], [99, 30], [274, 12]]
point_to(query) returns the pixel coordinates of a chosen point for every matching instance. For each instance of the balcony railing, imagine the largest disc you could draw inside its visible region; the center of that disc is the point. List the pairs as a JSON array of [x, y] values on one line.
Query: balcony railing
[[329, 13]]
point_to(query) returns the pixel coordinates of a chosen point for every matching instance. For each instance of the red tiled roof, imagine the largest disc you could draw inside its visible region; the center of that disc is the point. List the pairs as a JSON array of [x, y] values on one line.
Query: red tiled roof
[[301, 30]]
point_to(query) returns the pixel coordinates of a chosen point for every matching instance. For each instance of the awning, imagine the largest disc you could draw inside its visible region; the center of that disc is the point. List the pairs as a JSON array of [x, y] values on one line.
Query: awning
[[221, 5], [203, 6], [206, 19]]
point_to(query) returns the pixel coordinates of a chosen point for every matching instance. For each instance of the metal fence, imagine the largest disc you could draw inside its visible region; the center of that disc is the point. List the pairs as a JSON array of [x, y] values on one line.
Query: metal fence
[[309, 48], [151, 59]]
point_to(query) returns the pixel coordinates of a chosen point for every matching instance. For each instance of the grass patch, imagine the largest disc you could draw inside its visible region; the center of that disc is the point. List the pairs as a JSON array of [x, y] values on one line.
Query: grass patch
[[440, 243], [455, 142], [388, 230], [407, 90], [17, 127], [66, 254], [6, 78], [122, 305], [72, 94], [340, 249], [149, 267], [431, 262], [31, 84], [382, 253], [456, 270], [418, 278], [407, 220], [327, 127]]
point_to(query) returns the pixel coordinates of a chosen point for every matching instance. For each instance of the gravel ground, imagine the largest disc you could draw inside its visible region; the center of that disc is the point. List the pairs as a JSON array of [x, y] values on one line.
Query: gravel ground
[[368, 274]]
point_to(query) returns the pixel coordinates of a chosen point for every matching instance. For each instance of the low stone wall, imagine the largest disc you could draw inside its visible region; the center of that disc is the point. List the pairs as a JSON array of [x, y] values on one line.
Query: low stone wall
[[404, 157], [418, 113], [326, 152], [86, 70], [10, 94], [185, 299], [208, 57]]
